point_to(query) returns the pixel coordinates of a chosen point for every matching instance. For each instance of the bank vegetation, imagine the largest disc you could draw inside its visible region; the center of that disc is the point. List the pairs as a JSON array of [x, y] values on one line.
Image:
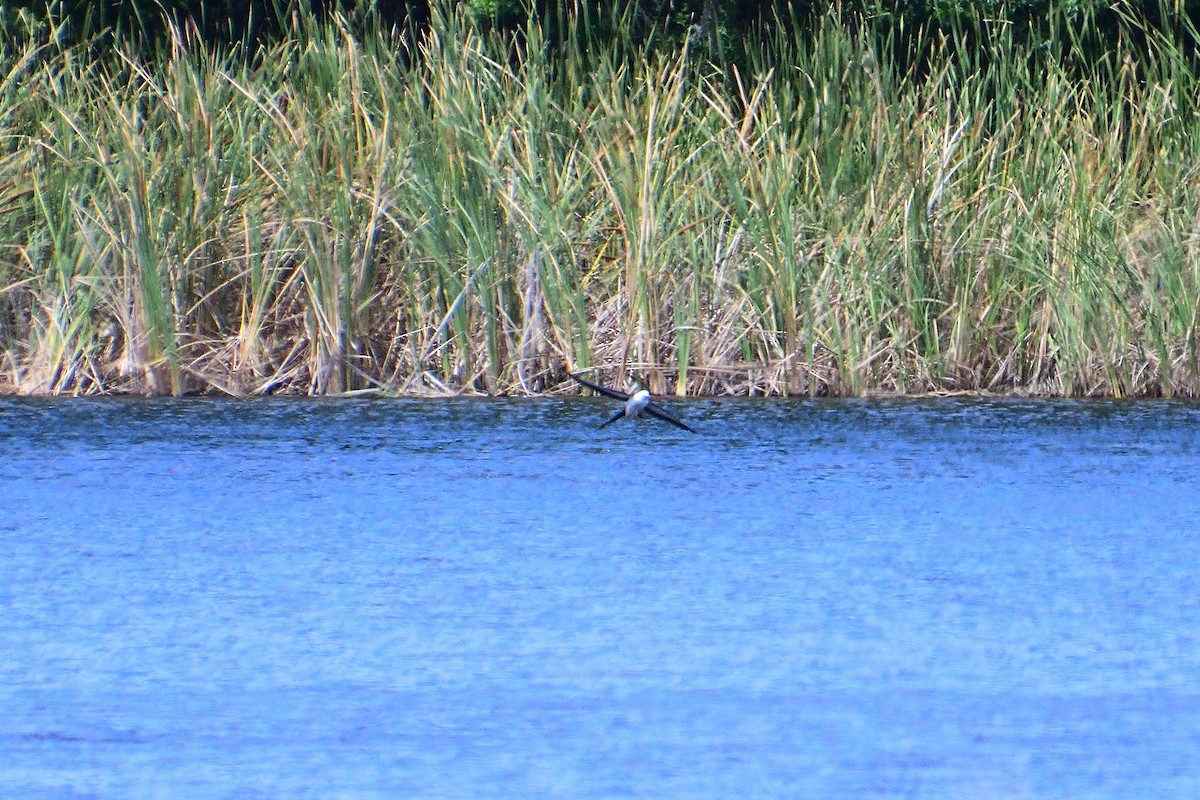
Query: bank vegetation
[[465, 210]]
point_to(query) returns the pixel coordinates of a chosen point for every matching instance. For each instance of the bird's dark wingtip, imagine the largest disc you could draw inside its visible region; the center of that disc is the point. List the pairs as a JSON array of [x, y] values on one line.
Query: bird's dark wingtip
[[613, 418], [666, 416]]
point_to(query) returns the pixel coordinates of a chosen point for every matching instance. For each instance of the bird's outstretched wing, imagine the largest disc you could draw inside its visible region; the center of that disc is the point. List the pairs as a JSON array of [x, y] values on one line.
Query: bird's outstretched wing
[[660, 412], [595, 387], [613, 418]]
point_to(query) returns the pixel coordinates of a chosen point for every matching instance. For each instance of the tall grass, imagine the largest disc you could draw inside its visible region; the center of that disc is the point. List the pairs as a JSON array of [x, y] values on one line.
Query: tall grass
[[463, 212]]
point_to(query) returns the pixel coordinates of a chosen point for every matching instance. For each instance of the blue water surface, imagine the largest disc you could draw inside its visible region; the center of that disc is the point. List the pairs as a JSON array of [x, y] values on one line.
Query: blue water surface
[[492, 599]]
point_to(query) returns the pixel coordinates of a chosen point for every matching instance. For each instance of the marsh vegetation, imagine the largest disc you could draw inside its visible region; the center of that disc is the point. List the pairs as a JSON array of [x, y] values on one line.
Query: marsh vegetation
[[466, 210]]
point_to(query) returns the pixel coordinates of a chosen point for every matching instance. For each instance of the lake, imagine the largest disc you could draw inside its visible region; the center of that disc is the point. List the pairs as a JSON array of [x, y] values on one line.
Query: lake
[[951, 598]]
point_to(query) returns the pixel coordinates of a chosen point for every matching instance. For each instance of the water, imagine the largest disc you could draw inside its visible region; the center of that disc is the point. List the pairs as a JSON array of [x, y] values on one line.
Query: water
[[492, 599]]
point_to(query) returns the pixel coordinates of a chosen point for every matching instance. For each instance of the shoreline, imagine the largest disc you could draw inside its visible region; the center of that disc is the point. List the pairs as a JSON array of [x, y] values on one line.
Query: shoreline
[[567, 389]]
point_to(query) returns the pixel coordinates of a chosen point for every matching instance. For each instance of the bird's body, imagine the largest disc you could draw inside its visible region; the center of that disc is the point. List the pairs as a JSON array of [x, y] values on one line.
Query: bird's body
[[635, 404]]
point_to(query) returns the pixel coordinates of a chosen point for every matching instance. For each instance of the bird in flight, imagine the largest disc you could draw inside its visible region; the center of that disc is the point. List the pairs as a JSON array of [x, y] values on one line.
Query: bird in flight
[[635, 404]]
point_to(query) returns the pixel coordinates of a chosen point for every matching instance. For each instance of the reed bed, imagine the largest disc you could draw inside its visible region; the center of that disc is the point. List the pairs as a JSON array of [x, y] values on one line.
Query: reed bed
[[355, 209]]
